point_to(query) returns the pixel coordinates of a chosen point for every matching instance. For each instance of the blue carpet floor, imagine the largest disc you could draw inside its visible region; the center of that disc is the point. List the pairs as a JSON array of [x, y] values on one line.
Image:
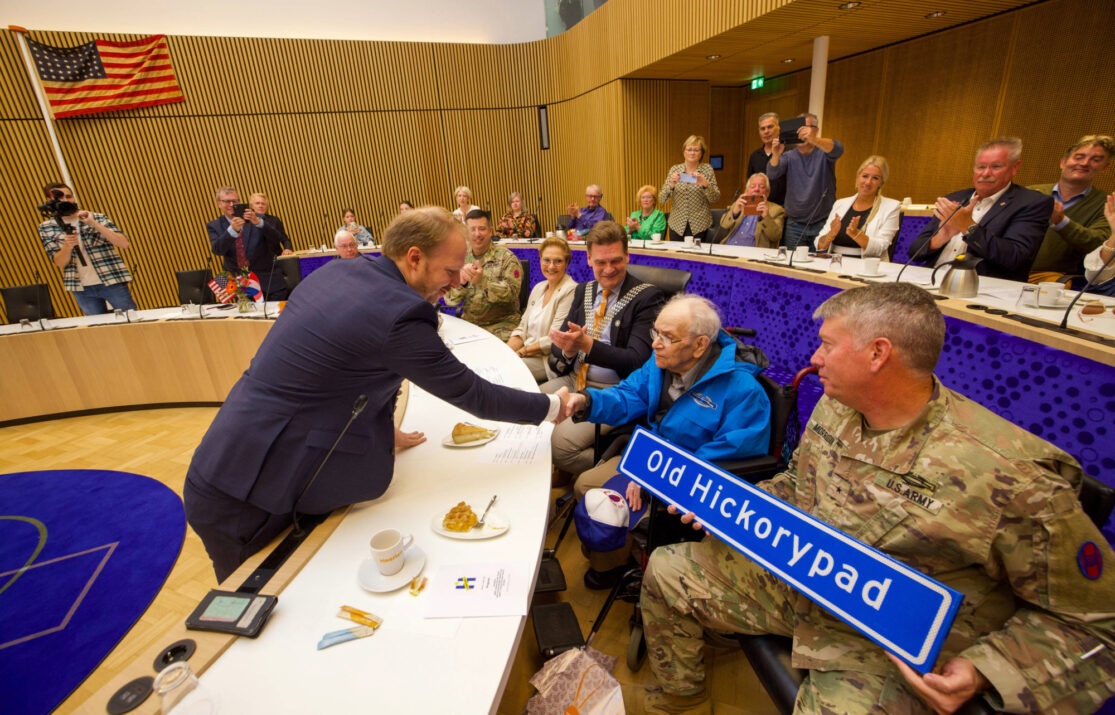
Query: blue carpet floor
[[82, 554]]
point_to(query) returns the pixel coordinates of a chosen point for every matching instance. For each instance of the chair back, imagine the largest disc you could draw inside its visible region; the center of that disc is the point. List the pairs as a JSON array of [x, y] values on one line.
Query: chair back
[[563, 221], [292, 271], [712, 235], [1097, 499], [524, 286], [670, 280], [30, 302], [783, 400], [538, 232], [193, 287]]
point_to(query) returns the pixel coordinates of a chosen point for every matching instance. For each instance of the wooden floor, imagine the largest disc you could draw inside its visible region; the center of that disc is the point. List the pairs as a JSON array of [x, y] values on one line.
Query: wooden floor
[[160, 443]]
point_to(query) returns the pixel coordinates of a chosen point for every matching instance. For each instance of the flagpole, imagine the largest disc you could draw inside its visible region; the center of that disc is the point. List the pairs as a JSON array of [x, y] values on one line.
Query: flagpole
[[33, 74]]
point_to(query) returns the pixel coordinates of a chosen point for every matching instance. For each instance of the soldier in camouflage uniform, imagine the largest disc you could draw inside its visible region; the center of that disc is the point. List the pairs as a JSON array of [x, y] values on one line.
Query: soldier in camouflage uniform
[[490, 281], [897, 460]]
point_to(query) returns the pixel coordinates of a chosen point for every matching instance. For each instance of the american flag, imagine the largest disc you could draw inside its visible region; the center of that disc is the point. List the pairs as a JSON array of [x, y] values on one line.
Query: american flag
[[217, 285], [103, 76]]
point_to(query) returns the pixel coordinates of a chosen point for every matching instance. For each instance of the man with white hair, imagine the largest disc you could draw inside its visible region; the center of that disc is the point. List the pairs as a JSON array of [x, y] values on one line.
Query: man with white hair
[[999, 221], [345, 244], [582, 219], [698, 390]]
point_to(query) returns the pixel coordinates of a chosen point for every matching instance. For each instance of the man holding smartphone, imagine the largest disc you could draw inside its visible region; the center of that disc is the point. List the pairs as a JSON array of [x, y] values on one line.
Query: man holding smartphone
[[244, 241], [753, 219]]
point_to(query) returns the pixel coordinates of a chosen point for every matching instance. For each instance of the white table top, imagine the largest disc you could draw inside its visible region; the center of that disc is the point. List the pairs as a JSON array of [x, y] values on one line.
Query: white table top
[[411, 664], [270, 310], [993, 292]]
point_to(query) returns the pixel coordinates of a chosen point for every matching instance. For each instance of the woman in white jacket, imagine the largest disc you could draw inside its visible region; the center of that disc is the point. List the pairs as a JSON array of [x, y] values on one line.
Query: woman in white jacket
[[864, 224], [546, 309]]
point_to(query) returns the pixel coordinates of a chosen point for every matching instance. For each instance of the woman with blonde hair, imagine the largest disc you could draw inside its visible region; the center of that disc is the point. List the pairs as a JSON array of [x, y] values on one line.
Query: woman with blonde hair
[[646, 221], [463, 196], [516, 223], [864, 224], [692, 185], [546, 309]]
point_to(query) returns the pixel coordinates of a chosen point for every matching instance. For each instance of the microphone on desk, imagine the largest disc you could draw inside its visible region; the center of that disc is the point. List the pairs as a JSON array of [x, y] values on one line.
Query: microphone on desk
[[538, 215], [941, 225], [812, 215], [1068, 311], [357, 407], [270, 277]]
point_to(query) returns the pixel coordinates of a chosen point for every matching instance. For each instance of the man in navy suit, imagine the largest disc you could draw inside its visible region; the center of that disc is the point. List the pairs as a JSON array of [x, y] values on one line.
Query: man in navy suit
[[998, 221], [261, 208], [245, 241], [354, 328]]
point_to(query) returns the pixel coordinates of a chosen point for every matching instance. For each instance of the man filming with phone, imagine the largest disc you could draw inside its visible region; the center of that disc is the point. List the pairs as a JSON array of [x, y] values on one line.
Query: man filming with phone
[[753, 220], [92, 268], [244, 241]]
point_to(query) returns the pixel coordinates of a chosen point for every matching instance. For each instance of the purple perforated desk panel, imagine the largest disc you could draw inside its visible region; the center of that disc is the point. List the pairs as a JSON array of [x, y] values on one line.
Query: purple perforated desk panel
[[1064, 398]]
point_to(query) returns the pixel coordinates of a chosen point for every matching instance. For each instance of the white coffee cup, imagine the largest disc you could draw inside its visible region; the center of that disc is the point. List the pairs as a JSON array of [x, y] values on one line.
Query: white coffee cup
[[687, 240], [387, 549], [871, 266], [1049, 294], [561, 234], [656, 237], [801, 253], [549, 234]]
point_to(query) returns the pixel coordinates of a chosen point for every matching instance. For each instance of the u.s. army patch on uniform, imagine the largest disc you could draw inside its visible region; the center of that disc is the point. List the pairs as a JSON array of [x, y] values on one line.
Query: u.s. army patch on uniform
[[913, 488]]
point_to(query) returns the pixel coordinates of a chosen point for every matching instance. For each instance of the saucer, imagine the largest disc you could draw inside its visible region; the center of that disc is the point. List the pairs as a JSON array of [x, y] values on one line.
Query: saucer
[[371, 579], [495, 524], [659, 245], [872, 275]]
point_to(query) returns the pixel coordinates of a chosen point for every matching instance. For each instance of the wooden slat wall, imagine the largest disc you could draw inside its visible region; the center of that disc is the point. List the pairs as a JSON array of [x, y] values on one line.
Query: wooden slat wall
[[928, 103]]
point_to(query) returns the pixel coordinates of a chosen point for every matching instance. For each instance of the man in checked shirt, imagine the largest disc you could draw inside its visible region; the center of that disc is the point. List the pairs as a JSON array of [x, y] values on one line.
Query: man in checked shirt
[[92, 268]]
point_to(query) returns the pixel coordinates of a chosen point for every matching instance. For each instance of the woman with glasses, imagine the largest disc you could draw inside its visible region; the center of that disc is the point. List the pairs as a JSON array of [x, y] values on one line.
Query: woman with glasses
[[692, 185], [547, 307], [864, 224], [646, 221], [516, 222]]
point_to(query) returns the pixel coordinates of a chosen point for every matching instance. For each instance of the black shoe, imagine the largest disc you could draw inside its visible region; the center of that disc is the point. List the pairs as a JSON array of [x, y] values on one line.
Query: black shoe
[[601, 580]]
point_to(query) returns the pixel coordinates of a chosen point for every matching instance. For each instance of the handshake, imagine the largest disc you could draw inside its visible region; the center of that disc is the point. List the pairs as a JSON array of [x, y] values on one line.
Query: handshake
[[571, 403]]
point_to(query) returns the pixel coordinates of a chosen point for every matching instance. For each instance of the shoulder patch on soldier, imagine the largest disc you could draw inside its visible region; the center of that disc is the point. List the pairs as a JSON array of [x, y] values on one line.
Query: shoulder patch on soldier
[[1090, 560]]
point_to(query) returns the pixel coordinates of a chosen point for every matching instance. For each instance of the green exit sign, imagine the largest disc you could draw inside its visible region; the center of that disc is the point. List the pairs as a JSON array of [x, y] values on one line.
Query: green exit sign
[[757, 83]]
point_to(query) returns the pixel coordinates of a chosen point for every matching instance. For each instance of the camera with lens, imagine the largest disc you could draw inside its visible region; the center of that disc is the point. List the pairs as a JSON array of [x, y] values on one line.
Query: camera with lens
[[56, 208]]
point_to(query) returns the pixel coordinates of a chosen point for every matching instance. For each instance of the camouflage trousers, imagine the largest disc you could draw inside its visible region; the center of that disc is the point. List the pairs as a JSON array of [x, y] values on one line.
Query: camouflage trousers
[[707, 584], [501, 330]]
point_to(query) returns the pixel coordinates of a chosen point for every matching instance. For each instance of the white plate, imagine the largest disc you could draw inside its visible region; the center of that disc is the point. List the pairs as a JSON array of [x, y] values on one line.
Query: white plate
[[659, 245], [683, 247], [371, 579], [872, 275], [495, 525], [448, 441]]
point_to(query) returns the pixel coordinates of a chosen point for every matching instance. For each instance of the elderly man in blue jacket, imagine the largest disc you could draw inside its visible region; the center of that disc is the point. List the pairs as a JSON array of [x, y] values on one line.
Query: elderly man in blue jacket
[[698, 391]]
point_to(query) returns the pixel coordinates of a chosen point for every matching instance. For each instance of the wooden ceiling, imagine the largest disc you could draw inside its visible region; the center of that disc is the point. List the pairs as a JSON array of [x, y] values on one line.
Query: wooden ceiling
[[758, 48]]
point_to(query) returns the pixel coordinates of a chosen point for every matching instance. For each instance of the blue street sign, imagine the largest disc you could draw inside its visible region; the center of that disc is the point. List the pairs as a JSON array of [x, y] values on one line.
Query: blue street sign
[[901, 609]]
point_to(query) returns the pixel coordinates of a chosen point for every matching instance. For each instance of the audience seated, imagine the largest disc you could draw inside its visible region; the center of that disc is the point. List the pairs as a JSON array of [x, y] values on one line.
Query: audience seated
[[546, 309], [94, 273], [583, 219], [405, 205], [244, 241], [810, 173], [647, 221], [698, 391], [490, 279], [997, 519], [1077, 225], [1094, 261], [864, 224], [345, 244], [763, 227], [463, 196], [692, 186], [604, 338], [516, 223], [757, 162], [1007, 221], [260, 206], [362, 235]]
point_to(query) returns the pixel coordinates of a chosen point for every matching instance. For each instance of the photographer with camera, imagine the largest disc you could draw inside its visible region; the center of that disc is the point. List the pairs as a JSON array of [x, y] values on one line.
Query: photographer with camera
[[83, 245], [244, 240]]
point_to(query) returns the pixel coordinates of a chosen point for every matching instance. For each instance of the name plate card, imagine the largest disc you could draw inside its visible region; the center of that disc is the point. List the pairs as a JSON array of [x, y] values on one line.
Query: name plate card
[[894, 605]]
